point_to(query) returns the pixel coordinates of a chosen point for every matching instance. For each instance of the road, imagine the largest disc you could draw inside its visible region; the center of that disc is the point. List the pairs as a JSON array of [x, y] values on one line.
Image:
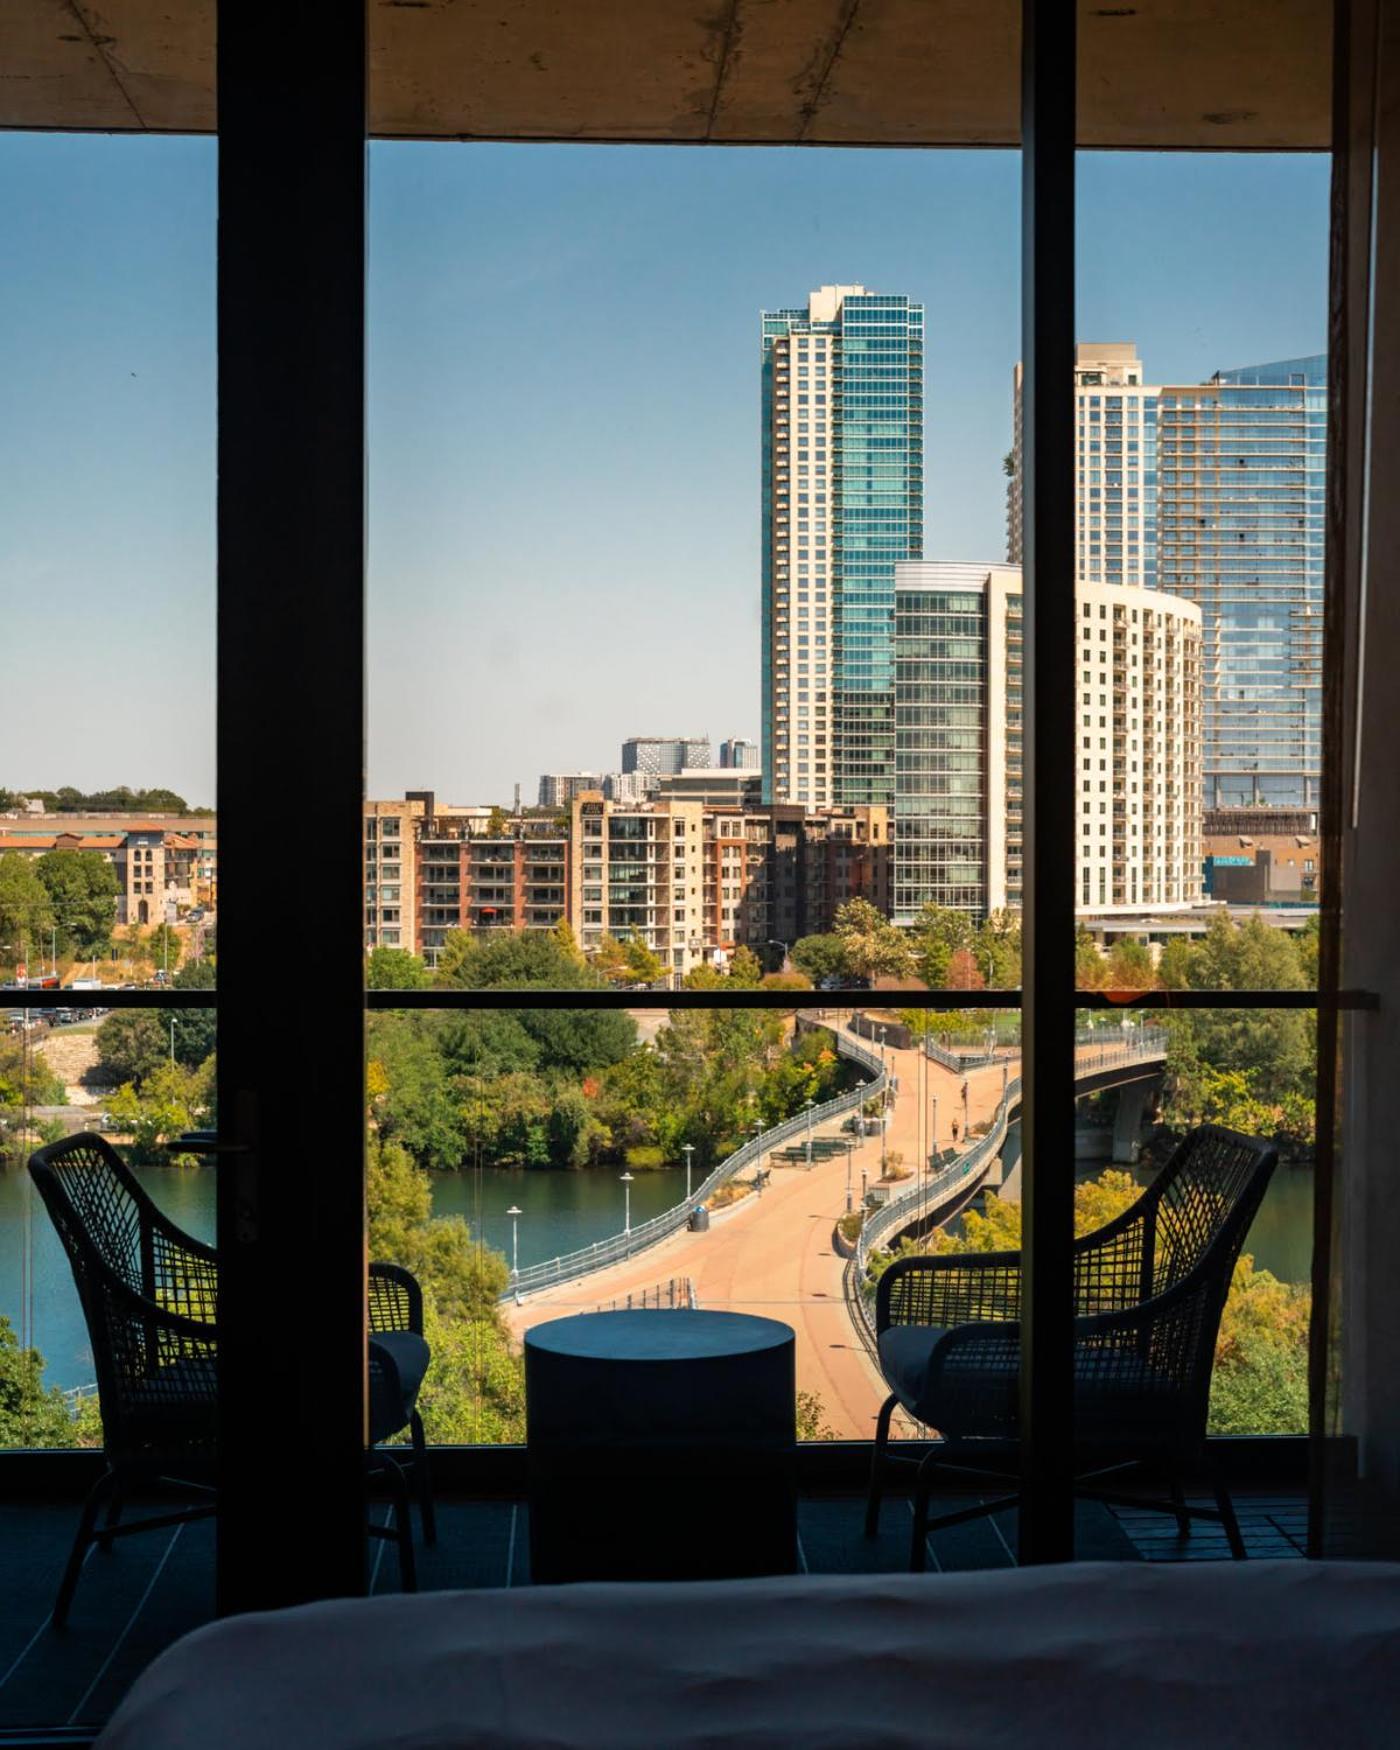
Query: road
[[772, 1253]]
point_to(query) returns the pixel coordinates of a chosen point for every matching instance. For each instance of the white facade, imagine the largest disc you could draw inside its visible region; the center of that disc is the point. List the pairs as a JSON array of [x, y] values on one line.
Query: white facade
[[802, 624], [1116, 451], [1138, 753]]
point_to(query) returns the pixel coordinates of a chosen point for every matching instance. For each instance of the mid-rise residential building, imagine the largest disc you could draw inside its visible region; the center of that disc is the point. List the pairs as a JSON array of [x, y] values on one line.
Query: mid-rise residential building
[[958, 813], [664, 753], [741, 754], [695, 876], [1214, 492], [842, 498], [736, 786], [558, 789], [166, 866]]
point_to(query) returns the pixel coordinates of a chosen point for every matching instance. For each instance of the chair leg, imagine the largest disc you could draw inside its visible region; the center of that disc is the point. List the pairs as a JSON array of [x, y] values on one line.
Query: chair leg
[[423, 1480], [403, 1524], [1183, 1518], [1227, 1517], [877, 1466], [99, 1492], [918, 1536]]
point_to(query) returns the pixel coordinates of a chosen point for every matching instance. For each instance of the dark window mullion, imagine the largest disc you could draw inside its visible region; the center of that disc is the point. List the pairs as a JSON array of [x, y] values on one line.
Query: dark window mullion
[[1048, 105]]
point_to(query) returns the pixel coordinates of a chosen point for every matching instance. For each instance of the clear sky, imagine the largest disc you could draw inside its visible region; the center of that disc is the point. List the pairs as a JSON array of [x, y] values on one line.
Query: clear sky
[[563, 416]]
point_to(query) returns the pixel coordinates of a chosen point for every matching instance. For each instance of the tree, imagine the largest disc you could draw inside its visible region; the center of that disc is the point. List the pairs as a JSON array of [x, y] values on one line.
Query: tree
[[874, 947], [31, 1413], [786, 981], [26, 912], [497, 822], [163, 948], [1130, 966], [82, 887], [938, 932], [821, 957], [963, 973], [997, 949], [1174, 964], [172, 1100], [745, 969], [395, 969], [475, 1390], [131, 1045], [1090, 969], [530, 960]]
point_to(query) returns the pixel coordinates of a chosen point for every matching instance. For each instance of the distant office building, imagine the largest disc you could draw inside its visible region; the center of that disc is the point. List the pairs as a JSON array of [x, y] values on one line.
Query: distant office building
[[558, 789], [959, 732], [714, 784], [629, 786], [740, 754], [1242, 464], [842, 488], [664, 753], [1215, 492]]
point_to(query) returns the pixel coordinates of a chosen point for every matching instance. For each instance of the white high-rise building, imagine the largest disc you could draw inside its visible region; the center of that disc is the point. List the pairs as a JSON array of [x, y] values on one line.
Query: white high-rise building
[[958, 730], [1116, 460]]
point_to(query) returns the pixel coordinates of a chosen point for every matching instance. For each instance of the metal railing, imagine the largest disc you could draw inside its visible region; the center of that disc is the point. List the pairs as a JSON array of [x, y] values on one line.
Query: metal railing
[[618, 1247], [675, 1292], [923, 1200]]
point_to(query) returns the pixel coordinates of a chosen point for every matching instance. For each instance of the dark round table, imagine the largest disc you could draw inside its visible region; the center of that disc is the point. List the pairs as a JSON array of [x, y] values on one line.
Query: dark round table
[[661, 1446]]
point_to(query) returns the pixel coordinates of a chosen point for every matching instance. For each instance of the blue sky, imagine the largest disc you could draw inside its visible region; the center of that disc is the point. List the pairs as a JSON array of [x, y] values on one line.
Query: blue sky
[[563, 418]]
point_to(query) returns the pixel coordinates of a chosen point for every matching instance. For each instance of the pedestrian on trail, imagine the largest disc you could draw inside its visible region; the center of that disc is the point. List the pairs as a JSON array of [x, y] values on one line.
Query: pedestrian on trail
[[955, 1130]]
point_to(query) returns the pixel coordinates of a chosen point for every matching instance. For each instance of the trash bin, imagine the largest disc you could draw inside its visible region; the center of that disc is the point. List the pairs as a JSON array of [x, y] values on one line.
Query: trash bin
[[699, 1219]]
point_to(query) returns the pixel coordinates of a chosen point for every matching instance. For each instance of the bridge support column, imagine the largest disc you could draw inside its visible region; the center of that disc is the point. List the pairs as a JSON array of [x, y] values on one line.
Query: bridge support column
[[1133, 1101]]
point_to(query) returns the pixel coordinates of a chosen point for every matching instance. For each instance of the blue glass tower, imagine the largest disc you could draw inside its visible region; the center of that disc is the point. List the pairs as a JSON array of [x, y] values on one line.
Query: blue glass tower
[[1240, 504], [842, 504]]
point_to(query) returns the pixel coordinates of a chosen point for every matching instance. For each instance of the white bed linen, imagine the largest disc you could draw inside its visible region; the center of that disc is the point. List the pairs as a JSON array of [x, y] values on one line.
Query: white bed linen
[[1274, 1654]]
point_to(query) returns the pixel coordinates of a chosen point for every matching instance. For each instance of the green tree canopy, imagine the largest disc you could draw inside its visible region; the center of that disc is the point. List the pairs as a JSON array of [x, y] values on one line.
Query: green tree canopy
[[938, 932], [821, 957], [26, 911], [1129, 966], [131, 1045], [31, 1413], [531, 960], [395, 969], [82, 887], [874, 947]]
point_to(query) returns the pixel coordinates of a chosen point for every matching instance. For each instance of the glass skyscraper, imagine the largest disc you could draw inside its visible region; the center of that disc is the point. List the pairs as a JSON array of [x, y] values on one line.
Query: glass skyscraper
[[842, 504], [1241, 464]]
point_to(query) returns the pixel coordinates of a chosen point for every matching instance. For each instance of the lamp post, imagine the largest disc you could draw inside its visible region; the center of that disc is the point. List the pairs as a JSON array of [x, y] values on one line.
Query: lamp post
[[808, 1110], [773, 942], [850, 1146], [626, 1203], [758, 1154], [515, 1215], [687, 1149], [862, 1187]]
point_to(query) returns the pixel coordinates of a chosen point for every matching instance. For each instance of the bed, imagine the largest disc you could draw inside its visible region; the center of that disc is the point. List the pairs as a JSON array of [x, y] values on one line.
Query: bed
[[1272, 1654]]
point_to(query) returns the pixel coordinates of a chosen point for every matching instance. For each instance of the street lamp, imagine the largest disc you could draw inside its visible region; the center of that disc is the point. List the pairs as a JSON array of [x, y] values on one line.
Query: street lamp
[[515, 1215], [862, 1187], [773, 942], [850, 1146], [626, 1203], [808, 1110], [687, 1149]]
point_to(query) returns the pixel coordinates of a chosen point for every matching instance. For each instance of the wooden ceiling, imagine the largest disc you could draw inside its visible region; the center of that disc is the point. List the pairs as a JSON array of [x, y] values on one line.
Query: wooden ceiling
[[1184, 74]]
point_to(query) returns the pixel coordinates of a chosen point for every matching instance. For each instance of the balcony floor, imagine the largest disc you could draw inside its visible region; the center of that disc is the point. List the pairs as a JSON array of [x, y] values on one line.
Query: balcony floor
[[151, 1590]]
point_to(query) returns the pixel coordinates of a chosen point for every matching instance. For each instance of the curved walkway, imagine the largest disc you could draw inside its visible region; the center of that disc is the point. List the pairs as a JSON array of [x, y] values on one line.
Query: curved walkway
[[772, 1253]]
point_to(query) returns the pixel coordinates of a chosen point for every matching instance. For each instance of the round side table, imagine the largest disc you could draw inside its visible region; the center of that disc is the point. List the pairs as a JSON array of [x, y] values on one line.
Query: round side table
[[661, 1446]]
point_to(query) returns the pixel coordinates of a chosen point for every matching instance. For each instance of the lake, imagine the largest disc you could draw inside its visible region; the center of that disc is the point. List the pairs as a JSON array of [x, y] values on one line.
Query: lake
[[560, 1213]]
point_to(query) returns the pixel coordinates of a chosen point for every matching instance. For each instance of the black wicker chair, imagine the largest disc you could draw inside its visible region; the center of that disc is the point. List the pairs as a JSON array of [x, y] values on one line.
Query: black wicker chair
[[149, 1293], [1149, 1290]]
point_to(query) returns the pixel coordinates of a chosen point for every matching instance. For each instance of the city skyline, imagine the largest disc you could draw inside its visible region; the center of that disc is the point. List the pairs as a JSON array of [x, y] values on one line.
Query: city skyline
[[569, 500]]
